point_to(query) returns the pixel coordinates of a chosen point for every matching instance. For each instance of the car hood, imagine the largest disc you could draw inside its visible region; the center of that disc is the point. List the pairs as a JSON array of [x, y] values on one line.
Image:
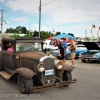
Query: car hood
[[91, 45], [32, 55]]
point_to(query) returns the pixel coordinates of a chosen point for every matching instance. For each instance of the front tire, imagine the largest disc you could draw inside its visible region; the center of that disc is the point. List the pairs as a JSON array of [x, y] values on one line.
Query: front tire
[[67, 76], [99, 60], [83, 60], [24, 84]]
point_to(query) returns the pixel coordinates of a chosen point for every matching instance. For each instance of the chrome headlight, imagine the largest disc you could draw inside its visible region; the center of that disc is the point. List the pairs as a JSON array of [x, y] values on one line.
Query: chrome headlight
[[59, 65], [41, 67], [94, 55]]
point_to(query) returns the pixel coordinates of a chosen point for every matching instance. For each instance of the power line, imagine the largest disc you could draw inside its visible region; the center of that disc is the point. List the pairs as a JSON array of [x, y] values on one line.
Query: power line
[[34, 9], [61, 6], [52, 9], [48, 2]]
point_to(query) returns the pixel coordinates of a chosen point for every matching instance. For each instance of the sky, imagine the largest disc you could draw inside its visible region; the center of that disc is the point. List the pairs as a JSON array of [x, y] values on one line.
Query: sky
[[65, 16]]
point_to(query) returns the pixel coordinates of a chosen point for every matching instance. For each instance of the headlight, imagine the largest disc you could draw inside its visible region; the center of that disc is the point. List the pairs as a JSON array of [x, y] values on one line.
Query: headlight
[[94, 55], [41, 67], [59, 65]]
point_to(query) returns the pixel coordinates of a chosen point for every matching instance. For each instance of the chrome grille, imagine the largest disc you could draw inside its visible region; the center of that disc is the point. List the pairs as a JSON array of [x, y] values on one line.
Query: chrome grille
[[49, 64], [87, 55]]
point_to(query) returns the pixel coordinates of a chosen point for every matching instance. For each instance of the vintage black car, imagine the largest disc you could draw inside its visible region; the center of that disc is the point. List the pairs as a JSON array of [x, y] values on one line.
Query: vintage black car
[[93, 52], [33, 69]]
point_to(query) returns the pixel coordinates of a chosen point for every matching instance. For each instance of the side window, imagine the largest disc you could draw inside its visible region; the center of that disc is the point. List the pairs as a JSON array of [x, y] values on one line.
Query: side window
[[8, 46]]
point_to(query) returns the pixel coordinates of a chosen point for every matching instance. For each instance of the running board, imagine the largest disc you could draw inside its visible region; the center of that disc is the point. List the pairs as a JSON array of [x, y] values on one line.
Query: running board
[[5, 74]]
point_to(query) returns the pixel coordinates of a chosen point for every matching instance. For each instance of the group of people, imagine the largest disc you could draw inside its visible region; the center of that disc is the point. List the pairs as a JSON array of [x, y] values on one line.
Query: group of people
[[62, 46]]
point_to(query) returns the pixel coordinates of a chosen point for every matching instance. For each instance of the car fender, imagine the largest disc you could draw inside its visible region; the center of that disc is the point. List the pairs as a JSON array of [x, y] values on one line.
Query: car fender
[[25, 72], [67, 52], [98, 54], [67, 67]]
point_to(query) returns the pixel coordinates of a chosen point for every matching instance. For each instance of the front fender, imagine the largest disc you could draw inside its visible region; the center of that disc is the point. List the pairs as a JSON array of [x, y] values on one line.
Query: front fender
[[67, 67], [25, 72]]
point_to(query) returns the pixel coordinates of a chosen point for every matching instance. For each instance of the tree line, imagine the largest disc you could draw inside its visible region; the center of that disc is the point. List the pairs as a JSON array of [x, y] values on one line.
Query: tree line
[[23, 30]]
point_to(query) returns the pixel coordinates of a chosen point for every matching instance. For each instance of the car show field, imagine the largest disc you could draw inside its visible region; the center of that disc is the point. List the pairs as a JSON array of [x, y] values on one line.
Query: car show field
[[43, 76]]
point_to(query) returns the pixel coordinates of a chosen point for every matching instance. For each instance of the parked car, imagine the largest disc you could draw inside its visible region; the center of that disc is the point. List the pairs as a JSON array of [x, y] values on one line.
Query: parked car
[[47, 45], [92, 54], [79, 48], [33, 69]]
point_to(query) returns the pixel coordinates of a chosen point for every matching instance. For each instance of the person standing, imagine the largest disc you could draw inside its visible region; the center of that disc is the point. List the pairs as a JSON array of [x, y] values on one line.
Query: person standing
[[73, 51], [65, 47], [61, 51]]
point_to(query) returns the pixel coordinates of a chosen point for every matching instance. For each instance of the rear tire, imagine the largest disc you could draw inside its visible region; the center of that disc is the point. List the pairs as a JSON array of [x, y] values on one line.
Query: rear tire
[[24, 84]]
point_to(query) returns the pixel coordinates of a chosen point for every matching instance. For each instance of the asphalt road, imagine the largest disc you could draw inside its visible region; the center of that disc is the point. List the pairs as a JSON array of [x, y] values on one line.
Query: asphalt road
[[87, 86]]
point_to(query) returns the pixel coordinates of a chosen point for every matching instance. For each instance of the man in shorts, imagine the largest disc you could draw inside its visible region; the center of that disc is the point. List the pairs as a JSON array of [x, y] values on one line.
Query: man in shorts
[[65, 47], [61, 51]]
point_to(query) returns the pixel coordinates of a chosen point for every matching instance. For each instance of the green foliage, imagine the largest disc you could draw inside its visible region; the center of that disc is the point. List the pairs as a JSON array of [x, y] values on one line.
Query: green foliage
[[57, 33], [21, 29]]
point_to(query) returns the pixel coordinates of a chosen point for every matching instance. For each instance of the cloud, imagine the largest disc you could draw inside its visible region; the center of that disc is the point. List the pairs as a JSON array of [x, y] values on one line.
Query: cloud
[[21, 19], [2, 1], [63, 15], [60, 11], [23, 5]]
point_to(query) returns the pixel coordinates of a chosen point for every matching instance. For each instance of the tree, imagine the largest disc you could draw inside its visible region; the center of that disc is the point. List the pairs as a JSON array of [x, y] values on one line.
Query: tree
[[44, 35], [23, 30], [36, 34], [57, 33], [18, 29]]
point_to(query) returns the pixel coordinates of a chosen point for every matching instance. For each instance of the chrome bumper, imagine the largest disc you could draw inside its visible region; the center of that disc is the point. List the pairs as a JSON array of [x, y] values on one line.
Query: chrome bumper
[[59, 84]]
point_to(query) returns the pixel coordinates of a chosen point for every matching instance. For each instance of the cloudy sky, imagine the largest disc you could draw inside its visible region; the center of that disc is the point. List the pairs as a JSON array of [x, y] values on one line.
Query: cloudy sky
[[66, 16]]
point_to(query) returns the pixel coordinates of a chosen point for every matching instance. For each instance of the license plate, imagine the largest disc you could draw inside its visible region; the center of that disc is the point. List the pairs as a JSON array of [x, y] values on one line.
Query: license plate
[[49, 72], [86, 59]]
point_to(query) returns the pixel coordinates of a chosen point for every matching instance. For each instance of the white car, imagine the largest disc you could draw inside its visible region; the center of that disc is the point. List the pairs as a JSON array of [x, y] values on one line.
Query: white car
[[49, 46]]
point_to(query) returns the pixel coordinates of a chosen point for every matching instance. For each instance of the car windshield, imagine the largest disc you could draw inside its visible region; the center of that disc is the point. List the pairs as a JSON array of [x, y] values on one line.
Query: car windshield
[[28, 47]]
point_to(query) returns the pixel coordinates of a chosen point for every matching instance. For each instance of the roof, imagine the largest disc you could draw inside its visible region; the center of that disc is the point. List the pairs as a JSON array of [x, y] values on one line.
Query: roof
[[21, 38]]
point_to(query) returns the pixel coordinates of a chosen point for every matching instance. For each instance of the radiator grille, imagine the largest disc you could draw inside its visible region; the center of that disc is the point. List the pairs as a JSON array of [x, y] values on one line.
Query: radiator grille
[[49, 64]]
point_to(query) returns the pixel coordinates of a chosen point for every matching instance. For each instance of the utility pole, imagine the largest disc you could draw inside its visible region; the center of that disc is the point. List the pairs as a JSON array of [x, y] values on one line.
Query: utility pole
[[29, 30], [2, 21], [39, 18], [85, 34]]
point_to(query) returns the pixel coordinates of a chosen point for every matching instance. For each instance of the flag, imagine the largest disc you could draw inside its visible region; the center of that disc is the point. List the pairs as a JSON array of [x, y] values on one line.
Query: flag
[[93, 26], [99, 27]]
